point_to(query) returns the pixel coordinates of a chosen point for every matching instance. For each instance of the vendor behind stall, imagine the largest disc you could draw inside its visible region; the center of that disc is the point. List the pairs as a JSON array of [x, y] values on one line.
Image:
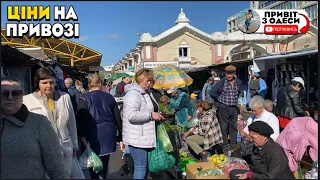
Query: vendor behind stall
[[180, 102], [163, 105], [268, 159]]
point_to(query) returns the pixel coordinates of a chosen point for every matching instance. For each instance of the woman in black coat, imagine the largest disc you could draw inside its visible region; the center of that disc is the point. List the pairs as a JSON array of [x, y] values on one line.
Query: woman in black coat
[[98, 119], [289, 102], [268, 160]]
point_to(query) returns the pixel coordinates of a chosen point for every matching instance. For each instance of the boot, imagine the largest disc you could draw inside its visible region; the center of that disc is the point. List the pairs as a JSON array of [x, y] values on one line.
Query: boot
[[205, 156]]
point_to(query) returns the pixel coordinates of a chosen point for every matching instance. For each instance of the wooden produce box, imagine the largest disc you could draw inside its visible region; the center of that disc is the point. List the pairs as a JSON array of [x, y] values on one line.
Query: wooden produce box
[[192, 170]]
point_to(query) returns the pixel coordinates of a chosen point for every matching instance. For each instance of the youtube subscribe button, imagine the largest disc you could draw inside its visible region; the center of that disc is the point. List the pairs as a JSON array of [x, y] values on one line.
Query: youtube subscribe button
[[281, 29]]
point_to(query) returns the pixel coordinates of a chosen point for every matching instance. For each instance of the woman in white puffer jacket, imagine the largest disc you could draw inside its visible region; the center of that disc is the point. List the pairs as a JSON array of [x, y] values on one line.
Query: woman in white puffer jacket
[[140, 111]]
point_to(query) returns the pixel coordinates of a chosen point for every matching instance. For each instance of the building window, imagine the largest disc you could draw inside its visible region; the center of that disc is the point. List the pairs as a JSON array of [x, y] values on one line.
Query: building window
[[267, 3], [281, 6], [312, 12], [183, 52], [315, 22]]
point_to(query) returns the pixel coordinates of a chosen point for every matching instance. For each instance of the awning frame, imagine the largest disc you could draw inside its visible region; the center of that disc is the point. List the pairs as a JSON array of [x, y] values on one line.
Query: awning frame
[[270, 61]]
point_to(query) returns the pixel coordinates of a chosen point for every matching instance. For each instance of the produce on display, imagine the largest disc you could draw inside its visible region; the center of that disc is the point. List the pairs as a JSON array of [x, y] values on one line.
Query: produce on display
[[218, 158], [170, 127], [234, 163], [210, 172], [184, 160]]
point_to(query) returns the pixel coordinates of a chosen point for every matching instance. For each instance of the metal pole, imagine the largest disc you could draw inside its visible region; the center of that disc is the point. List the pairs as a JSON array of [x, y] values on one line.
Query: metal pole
[[308, 80]]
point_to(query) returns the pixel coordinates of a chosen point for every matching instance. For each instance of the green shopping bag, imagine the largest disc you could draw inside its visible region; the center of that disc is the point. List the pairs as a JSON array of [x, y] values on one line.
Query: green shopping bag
[[164, 138], [158, 159], [89, 159]]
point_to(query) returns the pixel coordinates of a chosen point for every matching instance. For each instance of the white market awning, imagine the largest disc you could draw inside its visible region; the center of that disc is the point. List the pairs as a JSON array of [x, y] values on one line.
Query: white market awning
[[272, 60]]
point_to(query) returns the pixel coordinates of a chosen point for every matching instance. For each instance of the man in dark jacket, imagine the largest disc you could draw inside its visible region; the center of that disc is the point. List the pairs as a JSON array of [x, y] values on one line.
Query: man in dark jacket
[[73, 92], [268, 160], [120, 86], [225, 94], [289, 103]]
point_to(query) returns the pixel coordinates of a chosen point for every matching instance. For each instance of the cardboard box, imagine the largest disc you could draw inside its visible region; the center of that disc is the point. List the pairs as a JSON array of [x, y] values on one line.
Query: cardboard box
[[192, 170]]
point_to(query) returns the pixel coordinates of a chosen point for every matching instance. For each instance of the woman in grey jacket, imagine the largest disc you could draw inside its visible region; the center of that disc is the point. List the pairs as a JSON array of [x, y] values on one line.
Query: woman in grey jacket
[[29, 146], [57, 107], [140, 111]]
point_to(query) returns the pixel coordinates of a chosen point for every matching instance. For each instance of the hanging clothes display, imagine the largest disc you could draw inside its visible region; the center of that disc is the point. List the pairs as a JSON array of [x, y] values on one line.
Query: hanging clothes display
[[58, 71], [2, 75], [59, 76]]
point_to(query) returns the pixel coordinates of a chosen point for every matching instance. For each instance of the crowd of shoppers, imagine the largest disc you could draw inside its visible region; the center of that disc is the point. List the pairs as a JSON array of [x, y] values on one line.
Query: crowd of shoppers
[[51, 126]]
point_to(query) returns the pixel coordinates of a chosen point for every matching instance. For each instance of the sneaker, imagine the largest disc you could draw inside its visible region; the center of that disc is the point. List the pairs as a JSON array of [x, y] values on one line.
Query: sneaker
[[205, 156]]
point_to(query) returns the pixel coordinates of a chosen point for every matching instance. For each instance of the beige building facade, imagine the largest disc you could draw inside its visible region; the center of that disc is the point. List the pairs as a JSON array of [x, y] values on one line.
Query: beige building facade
[[189, 47]]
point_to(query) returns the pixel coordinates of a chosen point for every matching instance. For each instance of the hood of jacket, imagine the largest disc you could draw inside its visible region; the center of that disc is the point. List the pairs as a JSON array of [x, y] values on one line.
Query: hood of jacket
[[134, 86]]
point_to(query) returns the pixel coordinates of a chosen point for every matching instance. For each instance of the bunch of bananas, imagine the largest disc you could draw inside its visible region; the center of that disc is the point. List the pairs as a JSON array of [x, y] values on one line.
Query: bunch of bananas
[[218, 158]]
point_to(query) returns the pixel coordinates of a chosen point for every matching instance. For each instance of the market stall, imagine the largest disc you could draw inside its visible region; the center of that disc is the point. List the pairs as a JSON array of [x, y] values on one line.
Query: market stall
[[201, 75], [23, 64], [18, 64], [281, 68]]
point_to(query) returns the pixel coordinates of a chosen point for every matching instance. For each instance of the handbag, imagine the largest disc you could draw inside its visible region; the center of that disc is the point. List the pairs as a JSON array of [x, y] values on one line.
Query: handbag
[[246, 147]]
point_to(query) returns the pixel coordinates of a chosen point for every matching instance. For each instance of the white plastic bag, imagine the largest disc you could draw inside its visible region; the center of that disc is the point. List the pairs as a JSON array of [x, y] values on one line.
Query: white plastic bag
[[76, 171], [193, 122]]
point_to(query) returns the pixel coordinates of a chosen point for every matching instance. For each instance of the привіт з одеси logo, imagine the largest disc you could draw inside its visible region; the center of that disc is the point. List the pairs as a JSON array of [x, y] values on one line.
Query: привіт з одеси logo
[[274, 22]]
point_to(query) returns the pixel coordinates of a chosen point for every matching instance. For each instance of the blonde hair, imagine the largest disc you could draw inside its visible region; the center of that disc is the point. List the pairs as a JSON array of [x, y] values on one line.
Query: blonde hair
[[94, 81], [144, 72]]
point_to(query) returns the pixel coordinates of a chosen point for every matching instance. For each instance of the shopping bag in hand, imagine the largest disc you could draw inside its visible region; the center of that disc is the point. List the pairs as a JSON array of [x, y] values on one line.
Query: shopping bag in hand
[[89, 159], [76, 171], [159, 159], [164, 138]]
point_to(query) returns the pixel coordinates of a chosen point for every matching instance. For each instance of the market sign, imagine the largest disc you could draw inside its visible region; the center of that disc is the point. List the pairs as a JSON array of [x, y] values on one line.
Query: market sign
[[156, 64]]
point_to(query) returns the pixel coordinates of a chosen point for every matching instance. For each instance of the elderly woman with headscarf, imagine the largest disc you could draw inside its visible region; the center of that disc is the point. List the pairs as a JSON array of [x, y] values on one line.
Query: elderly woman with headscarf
[[268, 160], [181, 103], [30, 148], [57, 107]]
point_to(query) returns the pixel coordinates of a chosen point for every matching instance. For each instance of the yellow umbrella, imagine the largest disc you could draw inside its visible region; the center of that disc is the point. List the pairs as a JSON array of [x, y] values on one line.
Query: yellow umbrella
[[166, 76]]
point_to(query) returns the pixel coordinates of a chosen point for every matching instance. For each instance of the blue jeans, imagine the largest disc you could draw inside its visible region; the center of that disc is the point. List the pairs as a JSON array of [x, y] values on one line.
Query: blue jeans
[[140, 160], [247, 24]]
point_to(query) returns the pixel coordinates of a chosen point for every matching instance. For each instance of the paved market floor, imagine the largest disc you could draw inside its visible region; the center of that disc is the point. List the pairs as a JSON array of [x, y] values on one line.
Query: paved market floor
[[115, 169]]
